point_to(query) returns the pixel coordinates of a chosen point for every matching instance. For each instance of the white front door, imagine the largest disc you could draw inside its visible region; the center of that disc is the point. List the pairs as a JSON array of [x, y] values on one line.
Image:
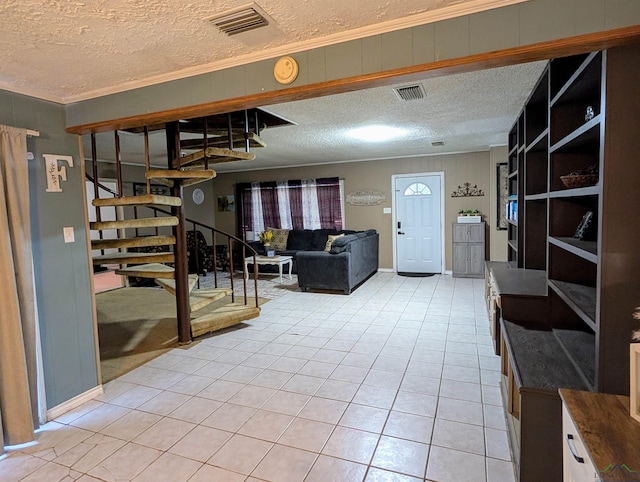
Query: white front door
[[418, 202]]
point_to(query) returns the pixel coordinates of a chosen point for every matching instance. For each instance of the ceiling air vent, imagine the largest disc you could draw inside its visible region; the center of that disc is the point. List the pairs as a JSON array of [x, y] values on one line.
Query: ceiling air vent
[[241, 19], [437, 143], [410, 92]]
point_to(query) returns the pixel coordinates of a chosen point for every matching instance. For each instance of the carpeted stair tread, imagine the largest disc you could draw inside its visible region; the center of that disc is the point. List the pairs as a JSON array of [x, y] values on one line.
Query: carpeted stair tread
[[144, 200], [150, 270], [201, 298], [139, 242], [170, 284], [215, 155], [184, 178], [223, 317], [159, 222], [134, 258]]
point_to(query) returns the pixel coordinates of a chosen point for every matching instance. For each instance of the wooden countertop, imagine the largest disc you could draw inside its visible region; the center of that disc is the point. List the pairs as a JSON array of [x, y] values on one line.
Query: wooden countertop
[[518, 282], [607, 430]]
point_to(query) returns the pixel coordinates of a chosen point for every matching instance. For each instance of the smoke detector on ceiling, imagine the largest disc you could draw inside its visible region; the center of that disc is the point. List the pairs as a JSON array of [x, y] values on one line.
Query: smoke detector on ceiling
[[240, 19], [410, 92]]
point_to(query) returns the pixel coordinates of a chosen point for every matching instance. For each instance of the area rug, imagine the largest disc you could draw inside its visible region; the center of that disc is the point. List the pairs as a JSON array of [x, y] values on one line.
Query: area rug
[[135, 325]]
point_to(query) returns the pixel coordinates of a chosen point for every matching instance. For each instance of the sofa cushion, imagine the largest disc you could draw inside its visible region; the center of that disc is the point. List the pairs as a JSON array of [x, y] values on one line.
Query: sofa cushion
[[319, 238], [330, 240], [340, 244], [299, 239], [279, 239]]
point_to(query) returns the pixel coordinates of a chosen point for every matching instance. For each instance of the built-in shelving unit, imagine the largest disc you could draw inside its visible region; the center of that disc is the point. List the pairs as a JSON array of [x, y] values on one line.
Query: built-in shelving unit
[[574, 173], [582, 119]]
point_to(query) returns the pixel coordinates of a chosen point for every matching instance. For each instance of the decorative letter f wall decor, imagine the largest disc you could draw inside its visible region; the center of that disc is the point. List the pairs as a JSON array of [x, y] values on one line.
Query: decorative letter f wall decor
[[56, 173]]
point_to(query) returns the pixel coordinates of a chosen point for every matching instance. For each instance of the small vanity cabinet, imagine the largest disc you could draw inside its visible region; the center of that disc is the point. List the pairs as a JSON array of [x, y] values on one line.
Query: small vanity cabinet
[[468, 250]]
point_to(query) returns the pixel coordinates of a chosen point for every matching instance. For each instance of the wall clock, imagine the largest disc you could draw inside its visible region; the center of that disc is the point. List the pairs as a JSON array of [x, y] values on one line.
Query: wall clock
[[198, 196], [286, 70]]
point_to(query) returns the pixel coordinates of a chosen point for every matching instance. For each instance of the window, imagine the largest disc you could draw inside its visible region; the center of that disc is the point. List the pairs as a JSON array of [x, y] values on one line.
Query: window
[[417, 189], [297, 204]]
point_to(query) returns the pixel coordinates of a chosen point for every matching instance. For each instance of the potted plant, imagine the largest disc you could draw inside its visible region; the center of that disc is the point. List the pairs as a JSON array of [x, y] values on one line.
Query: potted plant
[[265, 237]]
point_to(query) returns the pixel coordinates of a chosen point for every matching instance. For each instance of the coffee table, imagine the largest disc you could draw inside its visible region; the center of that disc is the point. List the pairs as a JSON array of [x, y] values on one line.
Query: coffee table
[[274, 260]]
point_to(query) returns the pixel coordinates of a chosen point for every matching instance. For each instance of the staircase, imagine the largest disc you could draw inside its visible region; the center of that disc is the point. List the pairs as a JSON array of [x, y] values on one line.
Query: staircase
[[168, 266]]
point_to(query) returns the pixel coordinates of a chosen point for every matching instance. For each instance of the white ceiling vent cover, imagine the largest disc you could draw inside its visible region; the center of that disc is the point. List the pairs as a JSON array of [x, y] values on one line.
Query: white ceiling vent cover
[[241, 19], [410, 92]]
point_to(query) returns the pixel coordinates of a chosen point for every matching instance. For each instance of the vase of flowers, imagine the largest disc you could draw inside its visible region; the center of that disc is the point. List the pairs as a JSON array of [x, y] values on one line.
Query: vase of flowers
[[265, 237]]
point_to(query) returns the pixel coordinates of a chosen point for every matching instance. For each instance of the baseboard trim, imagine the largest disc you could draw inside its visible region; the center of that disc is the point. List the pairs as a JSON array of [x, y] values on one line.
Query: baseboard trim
[[76, 401], [386, 270]]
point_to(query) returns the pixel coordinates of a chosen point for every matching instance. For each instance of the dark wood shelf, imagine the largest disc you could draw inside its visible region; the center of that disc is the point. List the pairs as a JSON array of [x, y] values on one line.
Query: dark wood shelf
[[538, 360], [576, 192], [583, 135], [519, 282], [571, 81], [580, 298], [580, 347], [539, 143], [585, 249], [565, 70], [543, 196]]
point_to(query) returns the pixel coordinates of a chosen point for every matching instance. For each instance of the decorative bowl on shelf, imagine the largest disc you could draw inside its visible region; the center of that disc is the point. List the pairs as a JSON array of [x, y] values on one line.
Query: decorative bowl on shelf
[[572, 181]]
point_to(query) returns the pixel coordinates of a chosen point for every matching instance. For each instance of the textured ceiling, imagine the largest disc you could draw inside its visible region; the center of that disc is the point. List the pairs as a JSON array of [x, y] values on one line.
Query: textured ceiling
[[68, 50]]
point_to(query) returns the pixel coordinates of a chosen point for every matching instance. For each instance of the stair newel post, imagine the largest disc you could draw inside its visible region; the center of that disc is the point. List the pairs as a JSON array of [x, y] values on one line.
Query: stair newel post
[[205, 140], [233, 294], [197, 251], [244, 275], [118, 163], [257, 123], [215, 259], [247, 145], [183, 310], [96, 188], [230, 131], [147, 163]]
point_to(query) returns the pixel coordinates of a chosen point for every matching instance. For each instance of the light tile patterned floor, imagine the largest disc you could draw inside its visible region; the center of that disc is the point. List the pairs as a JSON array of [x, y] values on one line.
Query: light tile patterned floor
[[396, 382]]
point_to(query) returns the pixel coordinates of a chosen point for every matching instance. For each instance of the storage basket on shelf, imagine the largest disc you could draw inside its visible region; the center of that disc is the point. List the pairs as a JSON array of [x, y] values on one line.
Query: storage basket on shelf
[[572, 181], [581, 178]]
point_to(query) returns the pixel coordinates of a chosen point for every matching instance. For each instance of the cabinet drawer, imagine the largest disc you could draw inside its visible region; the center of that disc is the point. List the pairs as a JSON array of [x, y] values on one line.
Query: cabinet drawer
[[577, 466]]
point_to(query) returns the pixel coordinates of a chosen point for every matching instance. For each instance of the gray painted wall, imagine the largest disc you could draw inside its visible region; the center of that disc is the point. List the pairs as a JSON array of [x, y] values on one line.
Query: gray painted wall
[[61, 270], [502, 28]]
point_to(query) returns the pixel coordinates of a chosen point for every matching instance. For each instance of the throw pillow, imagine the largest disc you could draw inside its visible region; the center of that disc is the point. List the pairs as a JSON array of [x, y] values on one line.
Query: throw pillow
[[279, 239], [330, 241]]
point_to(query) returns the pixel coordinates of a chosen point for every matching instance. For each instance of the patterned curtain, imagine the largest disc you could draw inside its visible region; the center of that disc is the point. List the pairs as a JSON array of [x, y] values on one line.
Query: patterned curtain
[[310, 207], [295, 204]]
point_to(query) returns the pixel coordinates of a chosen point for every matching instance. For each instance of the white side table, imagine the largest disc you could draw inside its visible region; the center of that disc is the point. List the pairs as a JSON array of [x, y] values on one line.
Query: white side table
[[280, 261]]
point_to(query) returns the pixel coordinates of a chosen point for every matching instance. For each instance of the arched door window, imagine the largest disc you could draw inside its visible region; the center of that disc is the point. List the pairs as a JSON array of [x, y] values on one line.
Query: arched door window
[[417, 189]]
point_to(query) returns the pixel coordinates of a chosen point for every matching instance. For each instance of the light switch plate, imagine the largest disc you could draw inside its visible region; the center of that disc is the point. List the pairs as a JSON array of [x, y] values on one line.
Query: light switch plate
[[69, 236], [386, 210]]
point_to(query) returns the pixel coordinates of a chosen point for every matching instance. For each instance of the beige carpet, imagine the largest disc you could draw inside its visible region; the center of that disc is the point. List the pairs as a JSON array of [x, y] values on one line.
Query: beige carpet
[[135, 325]]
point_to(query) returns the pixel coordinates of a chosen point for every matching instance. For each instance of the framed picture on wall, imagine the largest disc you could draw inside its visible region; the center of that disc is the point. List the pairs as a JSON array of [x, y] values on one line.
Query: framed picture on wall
[[226, 203], [140, 189], [502, 191]]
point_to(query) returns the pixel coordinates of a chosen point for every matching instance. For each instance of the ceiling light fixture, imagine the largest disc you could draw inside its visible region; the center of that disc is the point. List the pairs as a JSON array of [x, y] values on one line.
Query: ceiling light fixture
[[376, 133]]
